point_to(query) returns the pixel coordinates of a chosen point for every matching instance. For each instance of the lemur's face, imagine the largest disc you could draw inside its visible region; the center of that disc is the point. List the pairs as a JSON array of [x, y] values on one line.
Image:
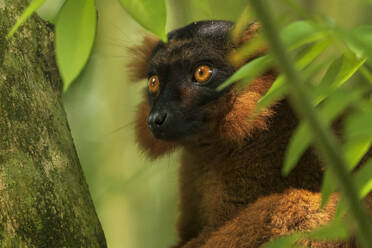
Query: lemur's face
[[183, 76]]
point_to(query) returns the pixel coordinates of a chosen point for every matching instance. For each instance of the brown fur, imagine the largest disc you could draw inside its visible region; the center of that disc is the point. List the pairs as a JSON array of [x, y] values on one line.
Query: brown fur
[[141, 55], [232, 193], [241, 121]]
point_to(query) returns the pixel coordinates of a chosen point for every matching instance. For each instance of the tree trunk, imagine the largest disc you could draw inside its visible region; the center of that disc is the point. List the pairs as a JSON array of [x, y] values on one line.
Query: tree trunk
[[44, 199]]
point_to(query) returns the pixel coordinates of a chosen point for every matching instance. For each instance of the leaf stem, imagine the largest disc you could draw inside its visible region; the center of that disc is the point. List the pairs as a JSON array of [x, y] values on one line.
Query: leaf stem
[[325, 140]]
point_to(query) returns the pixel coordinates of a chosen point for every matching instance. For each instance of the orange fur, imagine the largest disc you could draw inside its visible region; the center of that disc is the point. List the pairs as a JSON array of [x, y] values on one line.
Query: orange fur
[[268, 217], [241, 121]]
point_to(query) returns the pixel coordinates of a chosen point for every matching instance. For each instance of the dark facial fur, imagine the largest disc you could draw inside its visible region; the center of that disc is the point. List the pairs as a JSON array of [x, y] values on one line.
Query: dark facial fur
[[178, 109], [185, 111]]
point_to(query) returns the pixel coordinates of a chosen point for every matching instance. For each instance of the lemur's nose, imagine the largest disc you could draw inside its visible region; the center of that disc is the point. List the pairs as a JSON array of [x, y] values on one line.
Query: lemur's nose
[[156, 119]]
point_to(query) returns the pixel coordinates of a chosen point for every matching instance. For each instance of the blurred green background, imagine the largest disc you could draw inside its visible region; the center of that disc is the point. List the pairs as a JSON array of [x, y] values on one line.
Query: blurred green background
[[136, 199]]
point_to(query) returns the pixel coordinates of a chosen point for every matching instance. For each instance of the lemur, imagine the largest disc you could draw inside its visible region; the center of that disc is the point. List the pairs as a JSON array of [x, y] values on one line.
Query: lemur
[[232, 192]]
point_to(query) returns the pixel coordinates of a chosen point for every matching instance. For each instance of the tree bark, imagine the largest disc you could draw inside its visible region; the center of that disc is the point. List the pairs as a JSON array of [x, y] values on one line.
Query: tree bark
[[44, 198]]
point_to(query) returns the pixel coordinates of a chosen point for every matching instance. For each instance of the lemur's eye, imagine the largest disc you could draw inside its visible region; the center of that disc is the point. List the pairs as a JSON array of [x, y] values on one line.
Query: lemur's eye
[[202, 73], [154, 84]]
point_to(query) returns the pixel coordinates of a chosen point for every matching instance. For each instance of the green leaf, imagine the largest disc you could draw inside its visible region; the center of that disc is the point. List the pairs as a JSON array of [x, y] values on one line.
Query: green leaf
[[335, 231], [342, 208], [300, 33], [75, 33], [312, 54], [284, 241], [151, 14], [299, 142], [296, 34], [337, 74], [328, 186], [353, 150], [360, 40], [358, 127], [363, 179], [279, 87], [31, 8], [302, 137], [358, 137], [49, 10], [248, 71], [277, 91]]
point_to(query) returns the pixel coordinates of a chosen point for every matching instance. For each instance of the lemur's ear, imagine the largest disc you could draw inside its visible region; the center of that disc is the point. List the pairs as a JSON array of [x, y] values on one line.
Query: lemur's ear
[[241, 38], [140, 56], [153, 148], [250, 32]]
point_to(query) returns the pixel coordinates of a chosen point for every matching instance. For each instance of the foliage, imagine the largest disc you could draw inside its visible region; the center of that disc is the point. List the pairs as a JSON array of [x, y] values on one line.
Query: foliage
[[75, 32], [76, 28], [151, 14], [303, 94], [332, 66]]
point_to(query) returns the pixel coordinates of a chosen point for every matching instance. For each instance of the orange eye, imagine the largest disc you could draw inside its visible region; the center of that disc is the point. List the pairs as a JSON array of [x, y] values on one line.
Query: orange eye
[[202, 73], [154, 84]]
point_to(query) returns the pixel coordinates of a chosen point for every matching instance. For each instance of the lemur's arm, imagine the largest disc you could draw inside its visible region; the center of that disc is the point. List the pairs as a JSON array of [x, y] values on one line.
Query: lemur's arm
[[270, 217]]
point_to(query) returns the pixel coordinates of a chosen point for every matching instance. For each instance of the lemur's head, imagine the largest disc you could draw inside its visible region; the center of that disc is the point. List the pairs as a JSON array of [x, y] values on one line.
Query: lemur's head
[[182, 100]]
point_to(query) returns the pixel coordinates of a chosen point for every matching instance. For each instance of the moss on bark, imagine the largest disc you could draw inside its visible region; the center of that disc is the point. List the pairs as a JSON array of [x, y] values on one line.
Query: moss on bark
[[44, 199]]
